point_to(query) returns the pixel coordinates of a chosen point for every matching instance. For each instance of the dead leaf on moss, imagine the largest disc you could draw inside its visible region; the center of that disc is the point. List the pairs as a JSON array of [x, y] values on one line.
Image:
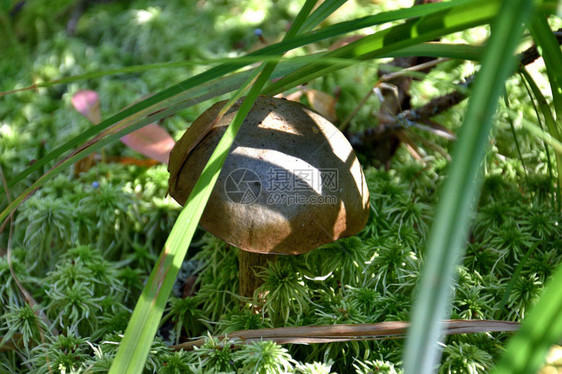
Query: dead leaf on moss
[[152, 141]]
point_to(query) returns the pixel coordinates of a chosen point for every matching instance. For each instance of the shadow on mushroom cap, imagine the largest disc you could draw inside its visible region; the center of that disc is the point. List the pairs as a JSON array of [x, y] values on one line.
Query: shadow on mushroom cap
[[290, 183]]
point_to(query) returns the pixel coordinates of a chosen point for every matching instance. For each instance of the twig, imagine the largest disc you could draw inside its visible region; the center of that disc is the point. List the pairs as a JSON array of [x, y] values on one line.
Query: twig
[[437, 105], [410, 117], [341, 333], [532, 53], [423, 66], [385, 78]]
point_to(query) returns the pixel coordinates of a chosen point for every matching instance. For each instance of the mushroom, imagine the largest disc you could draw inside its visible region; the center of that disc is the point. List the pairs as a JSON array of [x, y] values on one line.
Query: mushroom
[[290, 183]]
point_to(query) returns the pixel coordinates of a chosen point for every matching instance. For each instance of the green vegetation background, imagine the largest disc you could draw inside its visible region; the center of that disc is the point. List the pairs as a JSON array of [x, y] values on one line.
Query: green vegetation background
[[83, 246]]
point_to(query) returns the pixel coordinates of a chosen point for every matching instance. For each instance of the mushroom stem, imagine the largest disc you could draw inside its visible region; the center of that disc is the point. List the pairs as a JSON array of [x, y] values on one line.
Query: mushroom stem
[[250, 264]]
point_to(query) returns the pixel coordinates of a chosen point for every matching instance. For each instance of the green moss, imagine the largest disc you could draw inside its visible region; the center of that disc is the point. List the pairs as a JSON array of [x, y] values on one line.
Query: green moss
[[83, 245]]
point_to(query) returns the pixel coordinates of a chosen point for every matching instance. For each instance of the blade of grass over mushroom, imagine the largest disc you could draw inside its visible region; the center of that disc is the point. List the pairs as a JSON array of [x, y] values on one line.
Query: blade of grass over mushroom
[[140, 332], [143, 324], [154, 107], [128, 121], [179, 91], [222, 70], [541, 329], [450, 226]]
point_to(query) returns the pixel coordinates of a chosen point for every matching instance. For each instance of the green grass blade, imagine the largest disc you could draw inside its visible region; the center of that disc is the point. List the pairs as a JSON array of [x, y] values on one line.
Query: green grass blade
[[127, 70], [133, 351], [223, 69], [550, 51], [320, 14], [433, 49], [541, 329], [438, 50], [450, 227], [274, 49], [412, 32], [541, 128], [209, 90], [553, 129], [536, 131]]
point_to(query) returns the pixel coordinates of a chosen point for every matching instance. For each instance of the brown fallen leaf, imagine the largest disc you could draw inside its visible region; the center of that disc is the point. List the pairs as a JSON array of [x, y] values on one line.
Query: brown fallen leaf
[[323, 103], [87, 103], [152, 141], [147, 162]]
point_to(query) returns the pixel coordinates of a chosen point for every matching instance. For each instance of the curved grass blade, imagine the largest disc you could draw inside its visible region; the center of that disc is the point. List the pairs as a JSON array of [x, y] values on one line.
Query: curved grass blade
[[550, 51], [553, 128], [131, 122], [234, 64], [221, 70], [541, 329], [121, 122], [140, 332], [450, 227], [441, 50], [133, 350], [274, 49], [414, 31], [541, 127], [430, 49]]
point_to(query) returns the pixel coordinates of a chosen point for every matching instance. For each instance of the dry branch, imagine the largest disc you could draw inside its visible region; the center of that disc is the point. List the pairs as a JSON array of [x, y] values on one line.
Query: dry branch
[[340, 333], [385, 132]]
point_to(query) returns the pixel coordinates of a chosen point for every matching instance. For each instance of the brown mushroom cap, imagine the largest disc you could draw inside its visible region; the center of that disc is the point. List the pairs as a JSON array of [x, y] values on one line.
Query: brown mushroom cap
[[290, 183]]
